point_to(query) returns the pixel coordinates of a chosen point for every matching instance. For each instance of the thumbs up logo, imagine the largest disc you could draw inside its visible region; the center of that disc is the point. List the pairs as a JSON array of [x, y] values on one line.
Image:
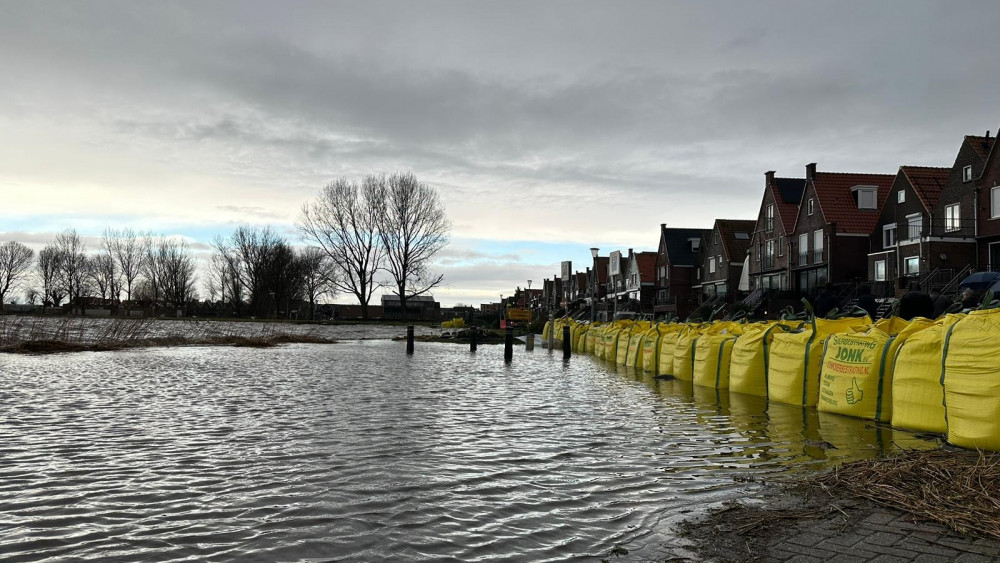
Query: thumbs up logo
[[854, 393]]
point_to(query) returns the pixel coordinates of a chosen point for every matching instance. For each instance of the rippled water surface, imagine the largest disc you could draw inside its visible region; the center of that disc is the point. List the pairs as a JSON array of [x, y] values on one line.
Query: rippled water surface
[[355, 451]]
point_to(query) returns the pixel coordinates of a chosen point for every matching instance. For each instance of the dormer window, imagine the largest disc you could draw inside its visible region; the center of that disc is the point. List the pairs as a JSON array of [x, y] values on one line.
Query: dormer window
[[967, 173], [866, 196], [695, 244], [742, 235]]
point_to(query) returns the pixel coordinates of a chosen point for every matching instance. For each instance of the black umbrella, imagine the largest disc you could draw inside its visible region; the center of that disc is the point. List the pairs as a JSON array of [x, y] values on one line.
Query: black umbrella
[[980, 280]]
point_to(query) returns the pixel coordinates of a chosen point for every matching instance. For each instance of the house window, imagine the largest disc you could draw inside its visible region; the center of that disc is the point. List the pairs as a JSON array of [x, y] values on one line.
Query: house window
[[781, 246], [995, 202], [769, 217], [758, 251], [810, 207], [769, 254], [711, 265], [914, 223], [720, 262], [952, 216], [889, 235], [901, 196], [866, 197], [967, 173], [817, 246], [715, 237], [803, 249], [697, 273], [912, 265], [880, 270]]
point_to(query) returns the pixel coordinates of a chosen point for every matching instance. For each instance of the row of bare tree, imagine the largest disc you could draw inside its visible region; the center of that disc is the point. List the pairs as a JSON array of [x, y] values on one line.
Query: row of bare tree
[[382, 231]]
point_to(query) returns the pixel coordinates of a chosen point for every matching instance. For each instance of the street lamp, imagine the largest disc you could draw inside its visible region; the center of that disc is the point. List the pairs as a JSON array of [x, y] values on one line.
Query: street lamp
[[593, 289]]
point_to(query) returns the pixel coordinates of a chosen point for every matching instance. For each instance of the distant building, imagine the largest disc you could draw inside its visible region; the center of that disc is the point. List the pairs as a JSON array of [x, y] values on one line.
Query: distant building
[[420, 307]]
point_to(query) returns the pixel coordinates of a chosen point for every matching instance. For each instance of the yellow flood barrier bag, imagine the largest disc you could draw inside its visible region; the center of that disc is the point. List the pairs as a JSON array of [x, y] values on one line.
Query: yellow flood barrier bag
[[598, 349], [748, 360], [684, 350], [590, 338], [794, 359], [971, 379], [668, 343], [623, 339], [610, 338], [856, 375], [546, 330], [651, 347], [579, 334], [635, 343], [712, 353], [917, 392]]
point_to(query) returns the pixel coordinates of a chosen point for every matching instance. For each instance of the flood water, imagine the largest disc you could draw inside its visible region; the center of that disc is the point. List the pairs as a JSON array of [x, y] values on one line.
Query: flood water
[[355, 451]]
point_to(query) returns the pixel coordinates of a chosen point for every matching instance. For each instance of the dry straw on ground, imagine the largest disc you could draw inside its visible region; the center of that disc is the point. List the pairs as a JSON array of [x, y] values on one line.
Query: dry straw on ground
[[958, 488]]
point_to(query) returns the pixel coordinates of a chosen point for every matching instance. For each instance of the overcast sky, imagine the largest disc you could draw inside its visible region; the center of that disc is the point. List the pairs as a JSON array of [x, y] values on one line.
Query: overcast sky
[[548, 127]]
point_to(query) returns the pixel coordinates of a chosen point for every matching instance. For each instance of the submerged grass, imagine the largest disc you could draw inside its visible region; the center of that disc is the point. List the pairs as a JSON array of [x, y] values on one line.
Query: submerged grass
[[39, 335]]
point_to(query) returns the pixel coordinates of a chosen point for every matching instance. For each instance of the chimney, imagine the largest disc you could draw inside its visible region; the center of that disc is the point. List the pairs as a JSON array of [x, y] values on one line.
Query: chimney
[[987, 134], [663, 226], [768, 177], [810, 170]]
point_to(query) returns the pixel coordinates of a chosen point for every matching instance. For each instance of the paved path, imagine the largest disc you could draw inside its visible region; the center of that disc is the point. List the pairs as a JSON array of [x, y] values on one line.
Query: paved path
[[884, 536]]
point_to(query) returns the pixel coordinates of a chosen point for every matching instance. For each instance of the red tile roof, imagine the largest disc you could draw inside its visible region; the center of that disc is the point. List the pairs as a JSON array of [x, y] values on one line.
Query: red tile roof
[[927, 182], [646, 262], [602, 269], [736, 248], [837, 203], [787, 209], [981, 145]]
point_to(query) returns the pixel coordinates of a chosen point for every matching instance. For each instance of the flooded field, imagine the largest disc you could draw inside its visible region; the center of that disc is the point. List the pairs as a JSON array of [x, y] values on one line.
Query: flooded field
[[355, 451]]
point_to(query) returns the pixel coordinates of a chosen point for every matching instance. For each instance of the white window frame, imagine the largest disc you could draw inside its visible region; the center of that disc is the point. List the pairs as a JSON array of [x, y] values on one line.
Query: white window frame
[[769, 217], [967, 173], [911, 220], [994, 202], [867, 196], [880, 270], [803, 249], [711, 264], [810, 207], [952, 217], [781, 246], [911, 260], [901, 196], [817, 246], [886, 231]]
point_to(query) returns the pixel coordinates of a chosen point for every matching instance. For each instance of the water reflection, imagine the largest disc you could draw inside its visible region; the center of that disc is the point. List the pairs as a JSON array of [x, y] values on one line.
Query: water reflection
[[359, 451]]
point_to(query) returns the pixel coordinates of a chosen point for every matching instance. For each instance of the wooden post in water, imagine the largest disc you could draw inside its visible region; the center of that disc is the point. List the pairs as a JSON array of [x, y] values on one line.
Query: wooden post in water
[[409, 339], [473, 339], [552, 330], [567, 343], [508, 345], [529, 342]]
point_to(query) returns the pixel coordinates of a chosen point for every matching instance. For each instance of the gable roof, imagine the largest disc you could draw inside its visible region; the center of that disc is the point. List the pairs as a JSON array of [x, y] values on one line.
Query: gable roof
[[982, 145], [787, 194], [928, 182], [581, 280], [602, 268], [736, 248], [646, 264], [678, 244], [837, 203]]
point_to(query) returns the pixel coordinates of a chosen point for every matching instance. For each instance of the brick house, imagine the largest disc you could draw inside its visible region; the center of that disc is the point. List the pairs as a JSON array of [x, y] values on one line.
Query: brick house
[[640, 282], [905, 243], [723, 253], [676, 260], [833, 226], [769, 257], [986, 179]]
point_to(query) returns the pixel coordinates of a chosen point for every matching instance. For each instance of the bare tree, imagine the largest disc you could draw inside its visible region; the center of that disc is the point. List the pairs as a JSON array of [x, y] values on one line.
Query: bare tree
[[73, 265], [265, 267], [413, 227], [49, 268], [169, 270], [15, 262], [104, 276], [343, 222], [224, 274], [318, 276], [126, 246]]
